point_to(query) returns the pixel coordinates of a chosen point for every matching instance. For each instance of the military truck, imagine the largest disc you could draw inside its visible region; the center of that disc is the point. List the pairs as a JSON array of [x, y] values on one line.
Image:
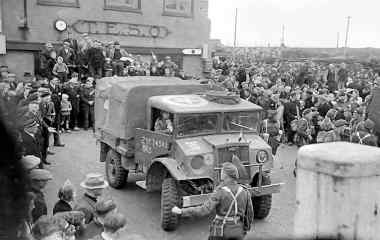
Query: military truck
[[184, 165]]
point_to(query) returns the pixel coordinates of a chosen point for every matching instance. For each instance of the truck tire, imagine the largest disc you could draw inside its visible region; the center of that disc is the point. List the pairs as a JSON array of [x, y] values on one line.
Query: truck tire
[[262, 204], [169, 199], [116, 174]]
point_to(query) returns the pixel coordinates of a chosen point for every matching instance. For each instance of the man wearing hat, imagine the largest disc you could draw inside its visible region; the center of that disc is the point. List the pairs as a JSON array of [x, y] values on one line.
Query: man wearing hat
[[72, 89], [39, 179], [233, 205], [364, 134], [68, 55], [94, 184], [115, 54]]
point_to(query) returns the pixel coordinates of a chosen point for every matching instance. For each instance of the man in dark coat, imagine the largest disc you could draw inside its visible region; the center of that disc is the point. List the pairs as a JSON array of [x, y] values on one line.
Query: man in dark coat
[[39, 179], [291, 112], [47, 61], [30, 143], [96, 60], [342, 76], [68, 54], [56, 97], [87, 96], [72, 89], [331, 82]]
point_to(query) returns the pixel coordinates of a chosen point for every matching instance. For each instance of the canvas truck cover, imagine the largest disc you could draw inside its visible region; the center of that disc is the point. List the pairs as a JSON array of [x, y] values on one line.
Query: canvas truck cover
[[103, 87], [374, 109], [128, 99]]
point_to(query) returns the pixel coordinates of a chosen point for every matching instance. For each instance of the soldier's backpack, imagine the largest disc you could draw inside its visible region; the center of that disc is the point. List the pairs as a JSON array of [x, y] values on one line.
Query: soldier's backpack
[[217, 226]]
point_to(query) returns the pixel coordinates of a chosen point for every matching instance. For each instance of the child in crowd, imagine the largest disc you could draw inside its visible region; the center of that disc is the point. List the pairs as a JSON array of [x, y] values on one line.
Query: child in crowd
[[65, 112], [61, 70]]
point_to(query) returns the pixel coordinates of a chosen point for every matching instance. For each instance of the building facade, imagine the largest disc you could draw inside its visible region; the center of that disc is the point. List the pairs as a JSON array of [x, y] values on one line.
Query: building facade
[[164, 27]]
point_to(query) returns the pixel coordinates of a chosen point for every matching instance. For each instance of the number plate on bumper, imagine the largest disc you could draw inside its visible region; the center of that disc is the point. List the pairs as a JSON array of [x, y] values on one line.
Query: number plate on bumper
[[196, 200]]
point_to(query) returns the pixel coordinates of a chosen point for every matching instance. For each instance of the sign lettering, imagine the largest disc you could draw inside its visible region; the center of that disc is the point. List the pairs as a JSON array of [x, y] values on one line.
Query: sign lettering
[[120, 29], [149, 144]]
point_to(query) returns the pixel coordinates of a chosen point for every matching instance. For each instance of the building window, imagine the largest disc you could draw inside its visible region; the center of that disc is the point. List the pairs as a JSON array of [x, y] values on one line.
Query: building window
[[123, 5], [59, 3], [178, 8]]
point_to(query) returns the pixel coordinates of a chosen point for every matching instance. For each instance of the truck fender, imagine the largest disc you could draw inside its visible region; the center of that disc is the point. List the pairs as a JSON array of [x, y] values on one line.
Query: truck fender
[[172, 166], [159, 170]]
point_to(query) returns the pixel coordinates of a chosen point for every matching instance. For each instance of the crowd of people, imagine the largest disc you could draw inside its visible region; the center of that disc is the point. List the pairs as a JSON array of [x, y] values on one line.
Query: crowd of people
[[304, 102], [92, 58]]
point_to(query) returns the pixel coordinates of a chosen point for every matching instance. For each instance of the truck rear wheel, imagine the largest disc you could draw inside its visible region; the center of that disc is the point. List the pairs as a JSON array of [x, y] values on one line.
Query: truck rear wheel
[[262, 204], [169, 199], [116, 174]]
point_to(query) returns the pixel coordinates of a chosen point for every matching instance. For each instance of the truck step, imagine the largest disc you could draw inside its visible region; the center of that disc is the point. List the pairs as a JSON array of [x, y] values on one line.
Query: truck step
[[141, 184]]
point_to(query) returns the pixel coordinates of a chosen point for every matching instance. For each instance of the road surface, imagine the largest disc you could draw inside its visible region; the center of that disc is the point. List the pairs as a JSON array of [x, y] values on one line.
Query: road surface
[[81, 156]]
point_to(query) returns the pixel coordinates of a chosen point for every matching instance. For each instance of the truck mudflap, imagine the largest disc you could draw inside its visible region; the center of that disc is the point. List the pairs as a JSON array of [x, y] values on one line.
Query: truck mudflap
[[196, 200]]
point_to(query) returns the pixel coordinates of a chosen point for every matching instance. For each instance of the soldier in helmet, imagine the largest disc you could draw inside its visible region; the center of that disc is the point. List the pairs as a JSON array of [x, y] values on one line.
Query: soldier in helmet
[[233, 205], [364, 135]]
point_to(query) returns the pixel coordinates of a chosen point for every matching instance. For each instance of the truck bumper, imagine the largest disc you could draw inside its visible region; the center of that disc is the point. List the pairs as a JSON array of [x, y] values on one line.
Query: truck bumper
[[196, 200]]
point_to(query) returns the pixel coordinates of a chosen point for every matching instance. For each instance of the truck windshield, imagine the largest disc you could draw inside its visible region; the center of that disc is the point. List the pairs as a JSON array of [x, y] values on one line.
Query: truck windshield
[[237, 121], [197, 124]]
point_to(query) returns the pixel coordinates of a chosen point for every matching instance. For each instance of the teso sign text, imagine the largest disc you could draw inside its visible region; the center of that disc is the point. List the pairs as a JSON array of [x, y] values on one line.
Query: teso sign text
[[120, 29]]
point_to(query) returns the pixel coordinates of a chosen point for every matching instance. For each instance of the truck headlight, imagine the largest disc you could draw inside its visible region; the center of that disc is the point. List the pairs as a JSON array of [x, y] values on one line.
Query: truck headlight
[[197, 162], [261, 156]]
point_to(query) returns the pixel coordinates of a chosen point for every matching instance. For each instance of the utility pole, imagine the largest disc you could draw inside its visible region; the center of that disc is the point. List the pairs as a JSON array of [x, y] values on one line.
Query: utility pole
[[236, 14], [347, 31], [283, 36], [337, 40]]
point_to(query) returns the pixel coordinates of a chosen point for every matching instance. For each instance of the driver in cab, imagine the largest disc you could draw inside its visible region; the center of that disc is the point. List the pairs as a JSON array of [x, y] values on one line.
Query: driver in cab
[[164, 124]]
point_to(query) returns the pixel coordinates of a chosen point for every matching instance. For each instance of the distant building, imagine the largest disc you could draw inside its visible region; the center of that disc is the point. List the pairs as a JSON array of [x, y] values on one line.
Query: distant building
[[165, 27]]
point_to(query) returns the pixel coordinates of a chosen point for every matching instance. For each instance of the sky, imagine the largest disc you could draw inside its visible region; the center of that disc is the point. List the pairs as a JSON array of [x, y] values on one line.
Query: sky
[[307, 23]]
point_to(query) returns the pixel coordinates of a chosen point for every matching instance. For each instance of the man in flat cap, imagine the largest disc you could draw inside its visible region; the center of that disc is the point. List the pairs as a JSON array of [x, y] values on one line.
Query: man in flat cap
[[30, 140], [39, 179], [233, 205], [364, 134]]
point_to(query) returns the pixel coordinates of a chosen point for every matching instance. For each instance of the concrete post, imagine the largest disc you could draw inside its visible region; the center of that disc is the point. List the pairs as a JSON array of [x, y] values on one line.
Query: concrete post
[[338, 191]]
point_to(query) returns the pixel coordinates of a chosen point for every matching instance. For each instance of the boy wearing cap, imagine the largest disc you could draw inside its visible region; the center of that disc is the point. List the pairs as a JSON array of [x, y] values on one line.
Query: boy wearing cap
[[103, 208], [230, 222], [113, 223], [65, 112]]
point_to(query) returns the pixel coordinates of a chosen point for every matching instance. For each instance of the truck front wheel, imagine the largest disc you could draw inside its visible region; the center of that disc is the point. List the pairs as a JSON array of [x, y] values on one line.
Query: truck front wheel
[[262, 204], [116, 174], [169, 199]]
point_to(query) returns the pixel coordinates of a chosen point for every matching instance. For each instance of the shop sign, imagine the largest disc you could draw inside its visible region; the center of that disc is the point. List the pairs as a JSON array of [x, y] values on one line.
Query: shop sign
[[120, 29]]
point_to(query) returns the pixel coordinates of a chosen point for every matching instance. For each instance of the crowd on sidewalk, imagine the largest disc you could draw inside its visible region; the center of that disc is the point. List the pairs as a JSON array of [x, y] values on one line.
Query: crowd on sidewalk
[[304, 102]]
